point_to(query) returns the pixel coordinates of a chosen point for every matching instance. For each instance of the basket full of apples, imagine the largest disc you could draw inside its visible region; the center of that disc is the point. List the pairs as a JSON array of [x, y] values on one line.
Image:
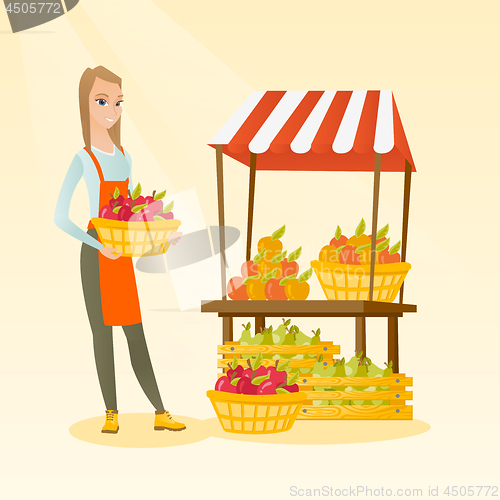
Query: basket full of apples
[[343, 266], [136, 225], [257, 399]]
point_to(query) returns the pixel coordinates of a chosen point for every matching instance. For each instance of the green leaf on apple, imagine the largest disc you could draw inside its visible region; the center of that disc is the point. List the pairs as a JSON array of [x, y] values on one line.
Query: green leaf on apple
[[278, 233], [137, 208], [362, 247], [137, 191], [116, 209], [395, 248], [361, 228], [383, 245], [295, 255], [279, 257], [158, 218], [235, 381], [338, 233], [305, 275], [248, 278], [116, 193], [234, 364], [280, 390], [340, 248], [293, 379], [257, 361], [383, 232], [283, 366], [259, 256], [259, 380], [159, 196], [168, 208], [283, 282], [269, 275]]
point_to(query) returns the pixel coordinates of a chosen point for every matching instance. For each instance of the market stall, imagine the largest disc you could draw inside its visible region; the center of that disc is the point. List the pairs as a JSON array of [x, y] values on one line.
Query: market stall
[[349, 131]]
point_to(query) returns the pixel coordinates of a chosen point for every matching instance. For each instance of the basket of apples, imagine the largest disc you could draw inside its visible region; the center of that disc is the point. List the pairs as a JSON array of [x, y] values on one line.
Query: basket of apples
[[343, 266], [136, 225], [258, 399]]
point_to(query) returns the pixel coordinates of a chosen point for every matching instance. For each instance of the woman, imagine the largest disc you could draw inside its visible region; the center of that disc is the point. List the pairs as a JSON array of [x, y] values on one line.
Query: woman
[[104, 165]]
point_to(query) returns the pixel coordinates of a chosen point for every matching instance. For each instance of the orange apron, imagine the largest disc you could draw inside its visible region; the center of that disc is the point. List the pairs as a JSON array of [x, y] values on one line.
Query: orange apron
[[119, 297]]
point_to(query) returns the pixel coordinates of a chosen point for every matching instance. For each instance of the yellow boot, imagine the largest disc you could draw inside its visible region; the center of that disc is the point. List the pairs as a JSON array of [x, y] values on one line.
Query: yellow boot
[[163, 421], [111, 426]]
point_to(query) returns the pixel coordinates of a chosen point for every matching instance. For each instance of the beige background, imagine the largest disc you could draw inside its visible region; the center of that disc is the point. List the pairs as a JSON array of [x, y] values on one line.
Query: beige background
[[186, 66]]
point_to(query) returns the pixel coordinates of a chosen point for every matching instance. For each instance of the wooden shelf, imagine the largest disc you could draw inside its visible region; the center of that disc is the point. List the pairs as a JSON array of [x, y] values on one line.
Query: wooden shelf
[[310, 308]]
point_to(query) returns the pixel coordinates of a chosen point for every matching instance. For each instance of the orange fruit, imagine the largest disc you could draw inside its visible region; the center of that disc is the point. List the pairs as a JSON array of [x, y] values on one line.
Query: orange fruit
[[265, 266], [256, 290], [274, 246], [329, 254], [297, 291]]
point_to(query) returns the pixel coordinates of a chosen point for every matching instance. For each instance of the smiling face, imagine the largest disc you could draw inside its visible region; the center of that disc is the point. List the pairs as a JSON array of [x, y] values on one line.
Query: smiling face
[[105, 103]]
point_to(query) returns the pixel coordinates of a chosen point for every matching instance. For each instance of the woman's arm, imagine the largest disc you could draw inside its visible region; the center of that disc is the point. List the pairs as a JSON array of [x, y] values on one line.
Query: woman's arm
[[61, 216]]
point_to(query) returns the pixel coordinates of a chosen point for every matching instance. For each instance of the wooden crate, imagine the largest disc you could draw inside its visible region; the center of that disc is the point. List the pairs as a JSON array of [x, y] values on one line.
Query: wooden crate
[[397, 395]]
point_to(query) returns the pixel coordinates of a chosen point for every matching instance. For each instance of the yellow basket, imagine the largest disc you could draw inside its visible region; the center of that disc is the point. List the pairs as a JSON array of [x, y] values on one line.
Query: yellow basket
[[249, 414], [352, 282], [136, 239]]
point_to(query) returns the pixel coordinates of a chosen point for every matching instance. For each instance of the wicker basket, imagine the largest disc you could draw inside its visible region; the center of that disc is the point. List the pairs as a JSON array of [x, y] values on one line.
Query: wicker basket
[[249, 414], [352, 282], [136, 239]]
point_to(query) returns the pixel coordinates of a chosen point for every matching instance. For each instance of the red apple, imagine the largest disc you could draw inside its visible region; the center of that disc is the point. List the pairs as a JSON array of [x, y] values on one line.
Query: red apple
[[155, 206], [120, 201], [338, 242], [236, 289], [224, 384], [249, 268], [384, 257], [267, 387], [275, 291], [348, 255], [125, 213], [245, 386], [277, 376], [289, 268], [106, 212], [291, 388]]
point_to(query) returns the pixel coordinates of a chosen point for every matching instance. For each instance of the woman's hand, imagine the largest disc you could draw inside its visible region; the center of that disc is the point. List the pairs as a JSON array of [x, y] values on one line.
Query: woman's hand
[[174, 237], [110, 253]]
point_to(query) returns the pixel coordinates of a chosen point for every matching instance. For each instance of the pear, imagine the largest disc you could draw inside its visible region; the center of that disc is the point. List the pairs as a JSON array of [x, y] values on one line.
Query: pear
[[246, 338], [279, 334], [374, 371], [289, 340], [268, 340], [352, 365], [362, 371], [387, 373]]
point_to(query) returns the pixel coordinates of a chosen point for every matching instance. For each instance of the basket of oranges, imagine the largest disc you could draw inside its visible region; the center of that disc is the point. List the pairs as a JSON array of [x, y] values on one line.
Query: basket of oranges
[[136, 225], [343, 266]]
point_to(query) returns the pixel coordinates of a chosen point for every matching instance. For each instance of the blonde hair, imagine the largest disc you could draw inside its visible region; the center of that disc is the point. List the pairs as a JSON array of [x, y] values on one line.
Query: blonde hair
[[86, 83]]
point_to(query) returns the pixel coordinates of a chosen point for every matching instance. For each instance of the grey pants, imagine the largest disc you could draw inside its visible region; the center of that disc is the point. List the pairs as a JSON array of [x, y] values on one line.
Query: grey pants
[[103, 337]]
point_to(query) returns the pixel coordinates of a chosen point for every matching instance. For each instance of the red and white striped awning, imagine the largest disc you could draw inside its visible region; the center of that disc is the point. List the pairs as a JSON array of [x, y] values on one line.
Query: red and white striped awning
[[317, 130]]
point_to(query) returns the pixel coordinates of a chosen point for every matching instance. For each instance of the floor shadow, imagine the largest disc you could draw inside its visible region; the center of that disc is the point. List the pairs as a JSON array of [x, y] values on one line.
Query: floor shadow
[[136, 431]]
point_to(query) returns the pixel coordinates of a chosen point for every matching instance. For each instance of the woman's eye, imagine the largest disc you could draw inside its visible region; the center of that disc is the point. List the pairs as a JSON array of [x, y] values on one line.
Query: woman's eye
[[102, 102], [119, 103]]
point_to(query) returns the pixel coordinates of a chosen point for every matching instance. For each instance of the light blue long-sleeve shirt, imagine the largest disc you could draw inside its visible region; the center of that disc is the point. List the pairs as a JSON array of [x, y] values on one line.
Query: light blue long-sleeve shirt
[[115, 167]]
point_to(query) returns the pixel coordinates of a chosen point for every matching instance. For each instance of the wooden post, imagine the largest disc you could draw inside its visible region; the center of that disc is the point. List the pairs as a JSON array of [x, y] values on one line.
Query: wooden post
[[393, 343], [406, 215], [227, 329], [376, 195], [260, 324], [222, 231], [361, 335], [251, 198]]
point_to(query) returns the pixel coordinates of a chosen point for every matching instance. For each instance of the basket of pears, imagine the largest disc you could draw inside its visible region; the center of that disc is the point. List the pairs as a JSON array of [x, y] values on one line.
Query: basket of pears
[[136, 225], [343, 266]]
